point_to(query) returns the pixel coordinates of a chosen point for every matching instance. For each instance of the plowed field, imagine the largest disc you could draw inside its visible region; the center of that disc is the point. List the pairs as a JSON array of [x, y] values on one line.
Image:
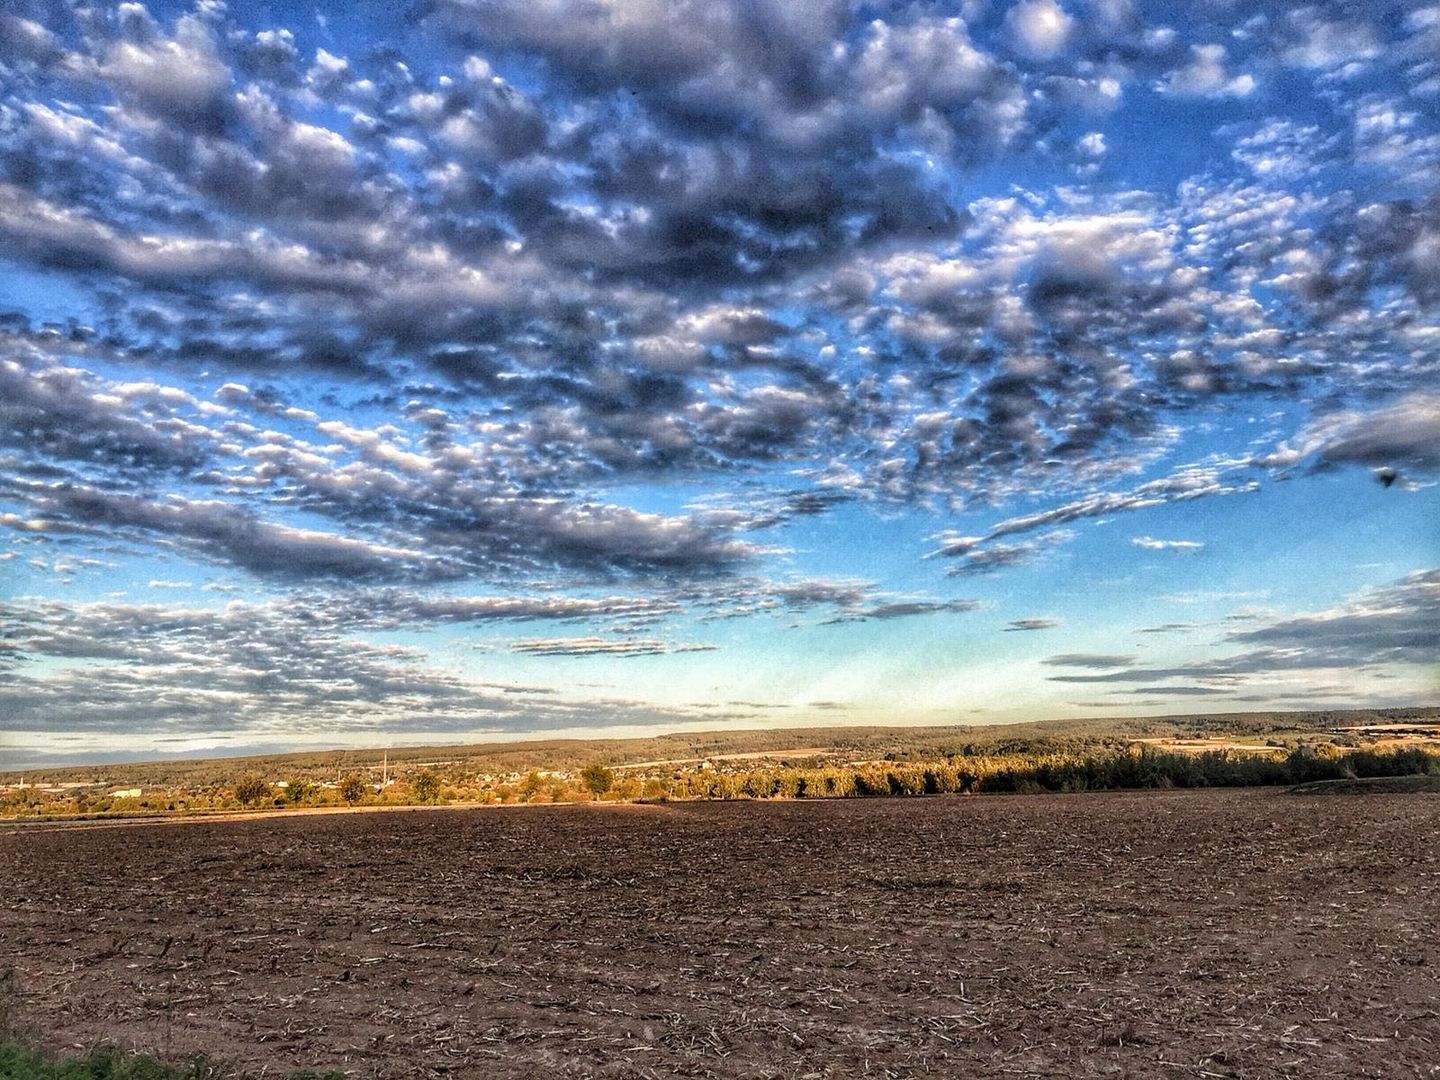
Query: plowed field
[[1177, 934]]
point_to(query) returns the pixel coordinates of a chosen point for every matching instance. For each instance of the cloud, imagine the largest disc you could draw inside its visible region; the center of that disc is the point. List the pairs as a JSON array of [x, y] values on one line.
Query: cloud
[[1211, 596], [596, 646], [294, 666], [998, 556], [465, 609], [228, 534], [1205, 76], [907, 608], [1040, 27], [983, 553], [1176, 691], [1032, 624], [1090, 660], [1313, 41], [1091, 145], [67, 414], [179, 79], [441, 518], [1195, 482], [846, 600], [627, 267], [1397, 623], [1152, 544], [1404, 436]]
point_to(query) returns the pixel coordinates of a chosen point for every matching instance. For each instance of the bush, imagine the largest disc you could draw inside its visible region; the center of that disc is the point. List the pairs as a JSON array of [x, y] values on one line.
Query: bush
[[21, 801], [425, 787], [353, 788], [251, 789]]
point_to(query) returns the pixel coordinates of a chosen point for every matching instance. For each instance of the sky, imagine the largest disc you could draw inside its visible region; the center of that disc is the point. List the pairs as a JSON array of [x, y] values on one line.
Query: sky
[[477, 369]]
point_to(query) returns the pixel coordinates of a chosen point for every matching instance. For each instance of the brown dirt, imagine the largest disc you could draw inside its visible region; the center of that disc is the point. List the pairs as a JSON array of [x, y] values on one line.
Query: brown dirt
[[1179, 934]]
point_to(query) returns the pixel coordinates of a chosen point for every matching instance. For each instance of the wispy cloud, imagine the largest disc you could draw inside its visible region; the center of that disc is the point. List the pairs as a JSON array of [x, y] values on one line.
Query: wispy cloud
[[1045, 623], [1152, 544], [596, 646]]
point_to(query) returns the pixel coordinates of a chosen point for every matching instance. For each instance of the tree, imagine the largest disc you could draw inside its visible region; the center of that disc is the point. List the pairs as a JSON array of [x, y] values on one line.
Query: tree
[[530, 786], [426, 787], [597, 779], [251, 788], [299, 789], [353, 788]]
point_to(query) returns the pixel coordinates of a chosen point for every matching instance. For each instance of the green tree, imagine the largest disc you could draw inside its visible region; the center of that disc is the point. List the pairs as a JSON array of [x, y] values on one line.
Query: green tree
[[353, 788], [250, 789], [299, 789], [426, 787], [597, 779]]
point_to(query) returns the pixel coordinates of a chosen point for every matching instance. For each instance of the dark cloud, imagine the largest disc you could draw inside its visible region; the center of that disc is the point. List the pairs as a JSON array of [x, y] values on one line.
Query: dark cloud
[[1177, 691], [1403, 437], [426, 512], [1090, 660], [998, 556], [516, 609], [598, 646], [694, 238], [251, 667], [903, 609], [228, 534], [1396, 624], [66, 414], [1016, 625], [1399, 623]]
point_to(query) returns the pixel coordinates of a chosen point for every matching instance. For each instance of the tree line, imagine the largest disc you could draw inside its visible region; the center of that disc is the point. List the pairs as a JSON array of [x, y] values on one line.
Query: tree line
[[1134, 766]]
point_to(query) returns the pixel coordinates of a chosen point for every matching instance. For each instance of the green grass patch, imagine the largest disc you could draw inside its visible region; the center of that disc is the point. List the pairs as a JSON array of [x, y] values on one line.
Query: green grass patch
[[1371, 785], [17, 1063]]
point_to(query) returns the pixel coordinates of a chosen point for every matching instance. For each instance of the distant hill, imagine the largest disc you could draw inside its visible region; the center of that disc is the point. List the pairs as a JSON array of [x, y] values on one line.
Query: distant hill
[[894, 743]]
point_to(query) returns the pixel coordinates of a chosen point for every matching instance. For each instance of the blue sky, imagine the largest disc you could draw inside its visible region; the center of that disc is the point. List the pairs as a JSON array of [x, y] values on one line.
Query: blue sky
[[482, 369]]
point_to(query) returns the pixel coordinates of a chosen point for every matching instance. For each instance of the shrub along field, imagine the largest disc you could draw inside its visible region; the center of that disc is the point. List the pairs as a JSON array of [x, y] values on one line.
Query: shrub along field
[[539, 765], [1032, 769]]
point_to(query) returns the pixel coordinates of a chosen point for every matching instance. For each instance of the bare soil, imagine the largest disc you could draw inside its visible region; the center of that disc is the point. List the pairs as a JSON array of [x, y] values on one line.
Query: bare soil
[[1181, 934]]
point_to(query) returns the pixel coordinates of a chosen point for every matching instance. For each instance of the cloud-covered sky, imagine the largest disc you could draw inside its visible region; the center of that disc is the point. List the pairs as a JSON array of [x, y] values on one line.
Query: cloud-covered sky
[[382, 374]]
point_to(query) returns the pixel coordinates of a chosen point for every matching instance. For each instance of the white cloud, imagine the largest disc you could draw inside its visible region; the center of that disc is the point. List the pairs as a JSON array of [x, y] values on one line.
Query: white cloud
[[1040, 28], [1205, 76], [1152, 544]]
